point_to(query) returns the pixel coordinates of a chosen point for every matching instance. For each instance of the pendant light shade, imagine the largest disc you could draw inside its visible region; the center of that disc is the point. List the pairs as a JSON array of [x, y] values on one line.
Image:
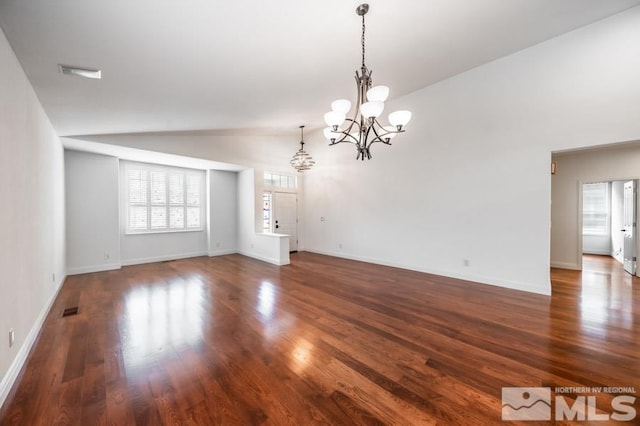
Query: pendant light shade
[[301, 160]]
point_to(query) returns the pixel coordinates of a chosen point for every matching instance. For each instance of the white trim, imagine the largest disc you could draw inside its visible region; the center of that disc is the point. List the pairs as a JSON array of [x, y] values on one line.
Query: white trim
[[566, 265], [514, 285], [94, 268], [164, 231], [579, 222], [598, 252], [19, 361], [164, 258], [264, 258], [222, 252]]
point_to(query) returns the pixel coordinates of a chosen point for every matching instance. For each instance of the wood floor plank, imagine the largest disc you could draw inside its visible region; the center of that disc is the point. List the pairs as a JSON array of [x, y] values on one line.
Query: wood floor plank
[[324, 341]]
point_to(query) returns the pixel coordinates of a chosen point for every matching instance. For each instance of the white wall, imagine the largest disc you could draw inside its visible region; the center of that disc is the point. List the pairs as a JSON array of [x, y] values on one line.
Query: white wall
[[96, 226], [147, 248], [470, 178], [32, 242], [597, 244], [573, 168], [223, 212], [92, 206]]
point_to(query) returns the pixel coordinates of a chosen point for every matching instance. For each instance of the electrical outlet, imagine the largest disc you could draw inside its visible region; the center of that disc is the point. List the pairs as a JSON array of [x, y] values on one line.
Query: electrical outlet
[[340, 245], [12, 337], [465, 262], [106, 256], [218, 245], [53, 277]]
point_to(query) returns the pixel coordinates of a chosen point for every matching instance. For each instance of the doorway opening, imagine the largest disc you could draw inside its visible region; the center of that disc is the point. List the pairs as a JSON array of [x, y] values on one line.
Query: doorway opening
[[609, 222]]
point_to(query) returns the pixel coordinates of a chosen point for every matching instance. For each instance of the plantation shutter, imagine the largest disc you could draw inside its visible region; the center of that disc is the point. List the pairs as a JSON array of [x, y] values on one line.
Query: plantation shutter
[[163, 198]]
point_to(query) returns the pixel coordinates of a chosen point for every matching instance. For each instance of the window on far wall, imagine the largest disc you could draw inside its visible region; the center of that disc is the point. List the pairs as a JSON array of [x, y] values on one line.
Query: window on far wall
[[595, 208], [163, 199], [266, 212], [280, 180]]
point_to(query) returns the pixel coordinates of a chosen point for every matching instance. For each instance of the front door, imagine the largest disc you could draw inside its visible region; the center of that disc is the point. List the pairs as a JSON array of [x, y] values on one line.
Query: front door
[[285, 217], [629, 226]]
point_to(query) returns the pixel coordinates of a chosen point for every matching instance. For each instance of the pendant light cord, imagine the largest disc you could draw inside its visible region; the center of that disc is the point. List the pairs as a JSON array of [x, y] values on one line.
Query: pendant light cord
[[363, 66]]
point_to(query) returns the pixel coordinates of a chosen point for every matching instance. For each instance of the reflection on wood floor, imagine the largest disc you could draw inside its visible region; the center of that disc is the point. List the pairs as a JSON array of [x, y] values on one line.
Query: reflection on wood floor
[[234, 341]]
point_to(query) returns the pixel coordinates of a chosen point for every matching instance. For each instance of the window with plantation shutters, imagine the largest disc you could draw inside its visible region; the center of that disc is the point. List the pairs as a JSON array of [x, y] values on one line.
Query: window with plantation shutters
[[595, 208], [162, 199]]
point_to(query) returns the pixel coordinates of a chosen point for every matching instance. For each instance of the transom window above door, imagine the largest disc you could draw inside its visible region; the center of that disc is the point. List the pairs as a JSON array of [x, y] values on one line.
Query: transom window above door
[[280, 180]]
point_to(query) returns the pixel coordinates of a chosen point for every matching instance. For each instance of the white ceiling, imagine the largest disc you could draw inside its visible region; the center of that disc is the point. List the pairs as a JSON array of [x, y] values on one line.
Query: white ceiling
[[171, 65]]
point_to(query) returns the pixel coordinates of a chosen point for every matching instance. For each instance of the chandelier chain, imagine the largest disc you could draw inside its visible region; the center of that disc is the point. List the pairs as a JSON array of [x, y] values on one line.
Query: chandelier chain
[[363, 66]]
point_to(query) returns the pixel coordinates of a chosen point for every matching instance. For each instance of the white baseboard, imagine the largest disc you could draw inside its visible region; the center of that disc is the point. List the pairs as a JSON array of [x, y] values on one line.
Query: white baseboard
[[598, 252], [222, 252], [13, 372], [164, 258], [514, 285], [566, 265], [263, 258], [95, 268]]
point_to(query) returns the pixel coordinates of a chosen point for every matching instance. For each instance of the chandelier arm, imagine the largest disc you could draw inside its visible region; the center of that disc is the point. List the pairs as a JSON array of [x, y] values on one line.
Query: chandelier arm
[[353, 121], [380, 136], [346, 133], [377, 137], [345, 139]]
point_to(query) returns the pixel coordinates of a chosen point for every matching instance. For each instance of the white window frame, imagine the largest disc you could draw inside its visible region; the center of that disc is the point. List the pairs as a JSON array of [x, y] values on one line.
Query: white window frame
[[606, 228], [275, 180], [199, 174]]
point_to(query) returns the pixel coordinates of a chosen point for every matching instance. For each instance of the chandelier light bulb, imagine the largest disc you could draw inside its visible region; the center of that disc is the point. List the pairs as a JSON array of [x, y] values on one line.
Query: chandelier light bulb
[[341, 105], [329, 134], [378, 94], [372, 109], [334, 119], [399, 119]]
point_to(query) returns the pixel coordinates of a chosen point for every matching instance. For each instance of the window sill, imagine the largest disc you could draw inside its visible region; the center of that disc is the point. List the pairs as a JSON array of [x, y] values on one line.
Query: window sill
[[164, 231]]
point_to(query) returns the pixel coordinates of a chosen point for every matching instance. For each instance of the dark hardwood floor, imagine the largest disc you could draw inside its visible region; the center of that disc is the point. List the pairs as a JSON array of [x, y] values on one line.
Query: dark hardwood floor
[[234, 341]]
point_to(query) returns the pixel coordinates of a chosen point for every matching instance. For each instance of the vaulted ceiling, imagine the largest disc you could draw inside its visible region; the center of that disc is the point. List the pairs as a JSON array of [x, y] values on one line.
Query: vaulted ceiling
[[171, 65]]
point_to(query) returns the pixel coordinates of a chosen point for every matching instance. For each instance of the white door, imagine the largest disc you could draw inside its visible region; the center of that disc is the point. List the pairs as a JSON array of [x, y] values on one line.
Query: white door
[[629, 226], [285, 217]]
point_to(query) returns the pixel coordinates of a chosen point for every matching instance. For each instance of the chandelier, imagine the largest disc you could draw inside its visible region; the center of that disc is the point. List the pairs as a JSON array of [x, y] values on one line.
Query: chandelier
[[301, 160], [364, 129]]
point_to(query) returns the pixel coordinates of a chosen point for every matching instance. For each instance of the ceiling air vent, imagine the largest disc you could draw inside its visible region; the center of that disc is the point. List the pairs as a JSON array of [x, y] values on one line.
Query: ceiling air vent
[[80, 72]]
